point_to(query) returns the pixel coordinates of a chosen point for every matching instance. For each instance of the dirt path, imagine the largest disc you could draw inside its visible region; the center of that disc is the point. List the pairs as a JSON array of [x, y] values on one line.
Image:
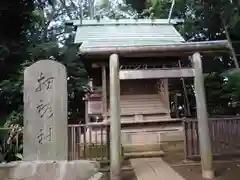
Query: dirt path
[[224, 170]]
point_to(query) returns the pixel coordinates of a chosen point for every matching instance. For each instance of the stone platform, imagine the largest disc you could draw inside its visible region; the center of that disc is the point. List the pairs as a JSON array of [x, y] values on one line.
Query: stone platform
[[142, 138]]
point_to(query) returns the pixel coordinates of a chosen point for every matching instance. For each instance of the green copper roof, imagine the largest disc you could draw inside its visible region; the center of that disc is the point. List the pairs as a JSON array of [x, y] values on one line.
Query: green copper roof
[[112, 33]]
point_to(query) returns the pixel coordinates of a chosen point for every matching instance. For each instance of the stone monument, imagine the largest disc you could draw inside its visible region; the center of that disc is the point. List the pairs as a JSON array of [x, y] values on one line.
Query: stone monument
[[45, 112]]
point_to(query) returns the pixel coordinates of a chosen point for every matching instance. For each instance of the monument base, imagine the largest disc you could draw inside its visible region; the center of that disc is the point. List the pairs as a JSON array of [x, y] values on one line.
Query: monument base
[[50, 170]]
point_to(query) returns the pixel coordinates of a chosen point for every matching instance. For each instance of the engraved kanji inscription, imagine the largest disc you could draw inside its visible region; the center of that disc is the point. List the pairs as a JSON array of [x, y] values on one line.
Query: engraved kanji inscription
[[44, 83], [44, 109], [41, 137]]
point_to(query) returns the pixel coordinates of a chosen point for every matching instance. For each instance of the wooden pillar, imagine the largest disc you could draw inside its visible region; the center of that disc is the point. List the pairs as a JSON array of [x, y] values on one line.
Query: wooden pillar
[[176, 105], [203, 129], [166, 93], [186, 101], [86, 98], [104, 92], [86, 110], [115, 125]]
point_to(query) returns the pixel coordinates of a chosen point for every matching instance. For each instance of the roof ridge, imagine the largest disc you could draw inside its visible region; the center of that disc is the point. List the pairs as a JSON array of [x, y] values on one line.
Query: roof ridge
[[94, 22]]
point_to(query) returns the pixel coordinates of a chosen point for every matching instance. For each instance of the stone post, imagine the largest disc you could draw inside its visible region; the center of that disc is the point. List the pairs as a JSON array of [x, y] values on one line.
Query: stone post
[[115, 125], [203, 130]]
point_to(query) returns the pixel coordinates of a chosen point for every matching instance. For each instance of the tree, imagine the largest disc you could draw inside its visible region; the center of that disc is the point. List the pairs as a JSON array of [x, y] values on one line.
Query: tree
[[15, 16], [43, 36]]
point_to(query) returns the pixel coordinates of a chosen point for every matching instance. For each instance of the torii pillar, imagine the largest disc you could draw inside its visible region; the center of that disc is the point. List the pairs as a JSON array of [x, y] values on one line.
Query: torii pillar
[[115, 124], [203, 129]]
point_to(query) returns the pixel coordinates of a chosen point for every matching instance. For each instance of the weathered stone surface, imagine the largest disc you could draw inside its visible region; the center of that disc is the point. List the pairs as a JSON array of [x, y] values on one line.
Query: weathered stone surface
[[45, 111], [153, 169], [49, 170]]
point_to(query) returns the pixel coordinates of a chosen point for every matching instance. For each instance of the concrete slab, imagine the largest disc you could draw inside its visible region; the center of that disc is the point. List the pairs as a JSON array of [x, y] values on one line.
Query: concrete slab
[[154, 169]]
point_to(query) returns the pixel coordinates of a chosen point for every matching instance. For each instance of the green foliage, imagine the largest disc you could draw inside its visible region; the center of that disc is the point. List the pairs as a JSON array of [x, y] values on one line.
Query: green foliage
[[77, 80], [223, 93], [43, 50], [41, 40], [139, 5], [11, 146], [214, 90], [232, 87]]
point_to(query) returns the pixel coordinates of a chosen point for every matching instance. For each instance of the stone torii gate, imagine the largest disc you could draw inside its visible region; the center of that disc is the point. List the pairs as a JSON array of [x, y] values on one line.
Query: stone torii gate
[[186, 49]]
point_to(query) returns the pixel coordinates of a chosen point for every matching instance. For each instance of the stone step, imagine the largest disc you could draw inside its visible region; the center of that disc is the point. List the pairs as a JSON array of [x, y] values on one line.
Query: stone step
[[124, 168], [143, 154], [128, 112], [135, 101], [142, 96], [142, 103], [146, 118]]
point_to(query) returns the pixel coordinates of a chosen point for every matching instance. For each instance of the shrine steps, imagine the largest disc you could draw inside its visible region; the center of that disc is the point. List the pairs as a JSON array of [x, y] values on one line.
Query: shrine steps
[[143, 154], [142, 104]]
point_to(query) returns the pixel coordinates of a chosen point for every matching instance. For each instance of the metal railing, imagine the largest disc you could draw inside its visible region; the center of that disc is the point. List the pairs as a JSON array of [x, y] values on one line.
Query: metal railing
[[224, 132], [89, 141]]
